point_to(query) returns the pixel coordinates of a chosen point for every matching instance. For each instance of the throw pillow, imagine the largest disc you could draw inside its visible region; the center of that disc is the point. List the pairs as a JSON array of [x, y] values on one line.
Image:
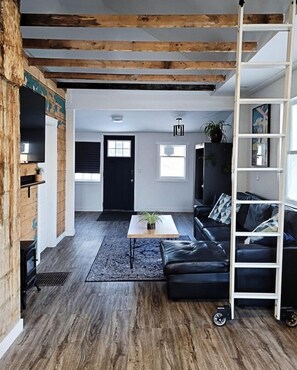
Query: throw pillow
[[270, 225], [257, 214], [221, 211]]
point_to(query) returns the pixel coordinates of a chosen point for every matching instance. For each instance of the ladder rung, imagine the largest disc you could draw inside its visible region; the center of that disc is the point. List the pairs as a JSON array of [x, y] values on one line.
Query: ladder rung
[[263, 100], [257, 233], [255, 295], [257, 169], [269, 136], [266, 27], [264, 65], [256, 265], [238, 201]]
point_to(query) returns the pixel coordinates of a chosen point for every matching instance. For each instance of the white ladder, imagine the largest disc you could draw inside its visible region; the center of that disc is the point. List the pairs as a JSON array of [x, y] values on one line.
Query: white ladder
[[227, 312]]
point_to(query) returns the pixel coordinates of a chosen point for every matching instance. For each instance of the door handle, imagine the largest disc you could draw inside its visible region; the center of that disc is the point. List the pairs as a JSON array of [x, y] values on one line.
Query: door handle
[[131, 180]]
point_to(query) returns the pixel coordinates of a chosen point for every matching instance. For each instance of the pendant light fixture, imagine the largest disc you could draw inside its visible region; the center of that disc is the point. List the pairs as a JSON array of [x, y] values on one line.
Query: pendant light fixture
[[178, 129]]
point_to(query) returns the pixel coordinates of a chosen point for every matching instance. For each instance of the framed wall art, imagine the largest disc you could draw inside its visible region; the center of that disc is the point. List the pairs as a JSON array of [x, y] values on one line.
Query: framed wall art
[[260, 125]]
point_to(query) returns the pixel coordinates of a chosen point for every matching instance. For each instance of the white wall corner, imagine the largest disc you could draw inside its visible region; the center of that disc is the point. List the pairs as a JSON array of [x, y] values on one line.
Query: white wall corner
[[70, 169], [11, 337]]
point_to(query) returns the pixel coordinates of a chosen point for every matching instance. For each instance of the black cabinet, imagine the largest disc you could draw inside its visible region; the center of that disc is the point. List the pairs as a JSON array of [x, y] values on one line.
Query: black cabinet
[[28, 268], [212, 171]]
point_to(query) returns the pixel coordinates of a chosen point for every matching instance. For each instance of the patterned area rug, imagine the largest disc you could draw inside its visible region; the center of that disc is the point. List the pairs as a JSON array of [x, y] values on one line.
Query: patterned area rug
[[112, 262]]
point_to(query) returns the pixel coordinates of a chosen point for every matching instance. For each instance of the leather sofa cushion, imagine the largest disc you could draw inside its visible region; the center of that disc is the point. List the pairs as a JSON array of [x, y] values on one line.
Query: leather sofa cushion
[[184, 257], [243, 210], [217, 233], [207, 222]]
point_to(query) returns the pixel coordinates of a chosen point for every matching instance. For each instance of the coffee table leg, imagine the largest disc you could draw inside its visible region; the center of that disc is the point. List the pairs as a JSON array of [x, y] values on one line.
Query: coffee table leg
[[132, 246]]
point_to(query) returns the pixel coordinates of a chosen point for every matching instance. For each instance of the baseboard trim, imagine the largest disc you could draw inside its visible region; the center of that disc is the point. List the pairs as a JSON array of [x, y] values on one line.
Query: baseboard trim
[[11, 337], [69, 232], [60, 238]]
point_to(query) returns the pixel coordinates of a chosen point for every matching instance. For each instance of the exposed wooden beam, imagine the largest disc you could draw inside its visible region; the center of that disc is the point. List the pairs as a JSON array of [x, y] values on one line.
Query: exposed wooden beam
[[131, 64], [118, 86], [145, 21], [135, 77], [141, 46]]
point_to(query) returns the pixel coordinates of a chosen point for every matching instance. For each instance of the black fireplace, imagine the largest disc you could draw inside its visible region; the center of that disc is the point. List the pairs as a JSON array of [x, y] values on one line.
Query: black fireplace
[[28, 268]]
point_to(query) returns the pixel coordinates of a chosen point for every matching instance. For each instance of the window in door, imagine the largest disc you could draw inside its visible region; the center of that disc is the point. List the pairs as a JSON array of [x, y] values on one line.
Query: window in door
[[119, 148]]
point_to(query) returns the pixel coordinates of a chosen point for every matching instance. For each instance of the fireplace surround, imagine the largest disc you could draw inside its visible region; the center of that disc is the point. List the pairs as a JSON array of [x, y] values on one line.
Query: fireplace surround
[[28, 268]]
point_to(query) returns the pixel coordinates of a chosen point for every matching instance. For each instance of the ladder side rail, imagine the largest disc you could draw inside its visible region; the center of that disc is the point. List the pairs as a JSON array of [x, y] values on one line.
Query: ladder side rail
[[283, 145], [235, 157]]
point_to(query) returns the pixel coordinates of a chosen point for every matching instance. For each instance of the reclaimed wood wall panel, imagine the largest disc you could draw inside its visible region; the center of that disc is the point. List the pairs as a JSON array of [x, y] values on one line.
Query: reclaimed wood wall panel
[[11, 61], [61, 186], [11, 77]]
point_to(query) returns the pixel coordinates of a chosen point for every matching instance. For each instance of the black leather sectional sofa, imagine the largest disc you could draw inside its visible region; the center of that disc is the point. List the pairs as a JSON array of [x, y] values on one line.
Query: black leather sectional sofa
[[200, 269]]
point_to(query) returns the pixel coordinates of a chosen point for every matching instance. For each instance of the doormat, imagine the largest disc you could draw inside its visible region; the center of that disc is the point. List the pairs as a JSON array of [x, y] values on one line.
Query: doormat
[[115, 216], [52, 278], [112, 262]]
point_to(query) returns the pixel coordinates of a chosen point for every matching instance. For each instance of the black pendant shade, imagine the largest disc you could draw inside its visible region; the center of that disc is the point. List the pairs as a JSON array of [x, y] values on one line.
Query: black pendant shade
[[178, 129]]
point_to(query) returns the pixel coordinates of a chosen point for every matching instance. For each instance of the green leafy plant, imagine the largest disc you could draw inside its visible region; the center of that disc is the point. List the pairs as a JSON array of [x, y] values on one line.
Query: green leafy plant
[[150, 217], [216, 129], [38, 170]]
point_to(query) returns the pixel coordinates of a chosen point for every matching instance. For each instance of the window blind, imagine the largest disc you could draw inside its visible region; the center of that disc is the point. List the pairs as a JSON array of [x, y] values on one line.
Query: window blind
[[87, 157]]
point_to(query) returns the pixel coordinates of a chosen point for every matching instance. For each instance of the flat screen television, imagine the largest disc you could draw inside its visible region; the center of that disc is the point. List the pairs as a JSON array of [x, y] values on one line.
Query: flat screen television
[[32, 124]]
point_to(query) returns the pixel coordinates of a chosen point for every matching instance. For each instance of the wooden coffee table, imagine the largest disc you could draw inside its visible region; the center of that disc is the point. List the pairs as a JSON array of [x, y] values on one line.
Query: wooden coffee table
[[138, 230]]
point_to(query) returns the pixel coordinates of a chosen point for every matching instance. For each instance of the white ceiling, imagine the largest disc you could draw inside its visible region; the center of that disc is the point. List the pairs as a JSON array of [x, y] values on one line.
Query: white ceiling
[[145, 121], [162, 120]]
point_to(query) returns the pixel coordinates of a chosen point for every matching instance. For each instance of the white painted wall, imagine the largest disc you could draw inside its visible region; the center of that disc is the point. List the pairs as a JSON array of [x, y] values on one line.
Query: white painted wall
[[150, 194], [47, 193], [262, 183], [70, 186]]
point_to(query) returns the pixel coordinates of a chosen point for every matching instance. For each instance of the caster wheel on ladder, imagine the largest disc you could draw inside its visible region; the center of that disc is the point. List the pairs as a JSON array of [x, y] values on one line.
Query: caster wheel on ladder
[[291, 321], [219, 319]]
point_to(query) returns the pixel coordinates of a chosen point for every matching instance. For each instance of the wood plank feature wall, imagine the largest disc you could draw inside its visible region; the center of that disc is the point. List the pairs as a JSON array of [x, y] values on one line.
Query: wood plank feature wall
[[55, 107], [11, 77]]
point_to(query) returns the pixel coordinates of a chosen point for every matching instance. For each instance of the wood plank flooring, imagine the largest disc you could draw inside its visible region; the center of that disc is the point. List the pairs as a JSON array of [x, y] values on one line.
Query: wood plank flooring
[[133, 325]]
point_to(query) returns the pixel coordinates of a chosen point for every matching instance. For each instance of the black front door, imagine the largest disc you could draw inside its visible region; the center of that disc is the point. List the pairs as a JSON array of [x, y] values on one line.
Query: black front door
[[118, 189]]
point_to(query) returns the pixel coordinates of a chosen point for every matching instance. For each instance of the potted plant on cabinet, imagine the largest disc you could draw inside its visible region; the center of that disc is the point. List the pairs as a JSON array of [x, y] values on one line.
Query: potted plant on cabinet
[[215, 131], [38, 173], [151, 219]]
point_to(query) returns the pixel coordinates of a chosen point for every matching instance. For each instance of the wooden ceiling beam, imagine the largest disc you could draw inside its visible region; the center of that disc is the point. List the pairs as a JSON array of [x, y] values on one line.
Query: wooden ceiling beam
[[145, 21], [140, 46], [135, 77], [134, 64], [134, 86]]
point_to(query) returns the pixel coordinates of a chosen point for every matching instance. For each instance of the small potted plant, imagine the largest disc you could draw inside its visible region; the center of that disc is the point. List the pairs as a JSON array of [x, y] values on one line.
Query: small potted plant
[[215, 131], [151, 219], [38, 173]]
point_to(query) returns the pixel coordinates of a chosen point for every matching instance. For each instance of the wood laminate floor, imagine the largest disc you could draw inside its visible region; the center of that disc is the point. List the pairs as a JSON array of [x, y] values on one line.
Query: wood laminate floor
[[132, 325]]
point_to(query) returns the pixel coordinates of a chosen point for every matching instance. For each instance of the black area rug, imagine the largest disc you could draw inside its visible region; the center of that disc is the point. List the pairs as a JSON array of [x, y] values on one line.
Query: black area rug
[[112, 262], [52, 278], [115, 216]]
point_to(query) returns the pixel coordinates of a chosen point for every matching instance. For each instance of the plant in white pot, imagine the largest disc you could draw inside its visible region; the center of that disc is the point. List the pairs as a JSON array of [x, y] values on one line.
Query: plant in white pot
[[38, 173], [151, 219]]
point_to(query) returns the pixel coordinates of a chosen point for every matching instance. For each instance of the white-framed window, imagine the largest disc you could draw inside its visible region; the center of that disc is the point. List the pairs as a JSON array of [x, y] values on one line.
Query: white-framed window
[[291, 178], [87, 161], [172, 162]]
